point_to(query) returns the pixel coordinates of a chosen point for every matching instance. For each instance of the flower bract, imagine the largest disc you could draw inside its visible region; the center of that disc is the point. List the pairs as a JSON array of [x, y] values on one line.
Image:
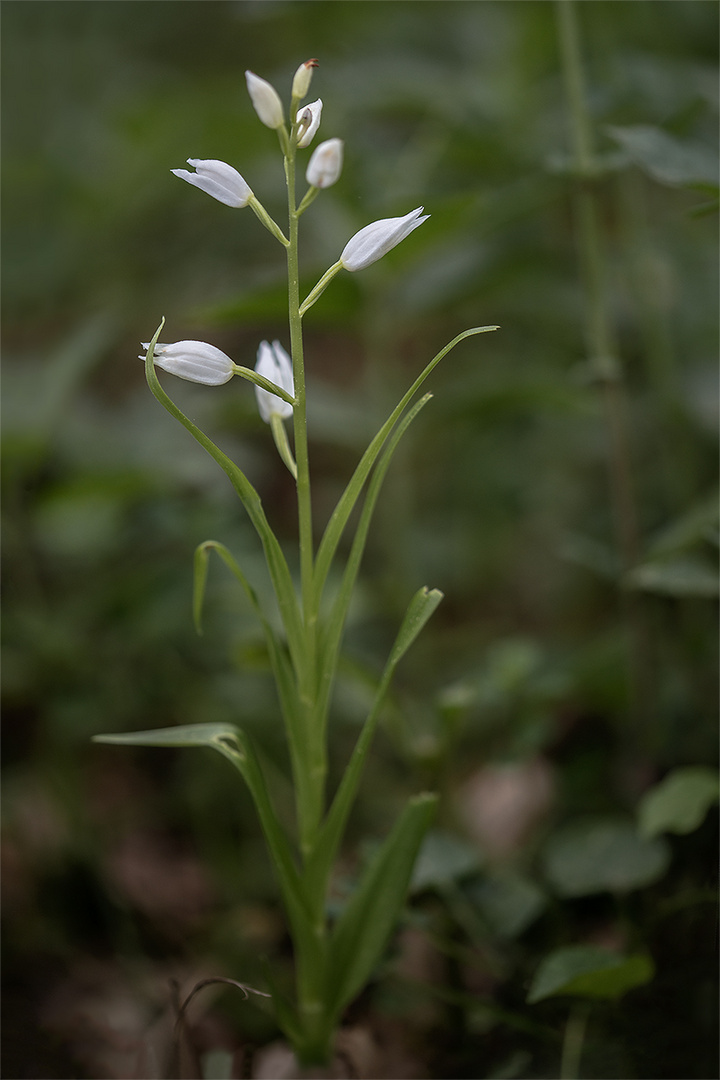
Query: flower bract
[[273, 363], [218, 179], [375, 240], [195, 361]]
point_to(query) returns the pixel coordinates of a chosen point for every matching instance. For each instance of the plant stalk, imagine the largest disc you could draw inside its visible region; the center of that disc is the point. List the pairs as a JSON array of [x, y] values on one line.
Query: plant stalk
[[602, 349]]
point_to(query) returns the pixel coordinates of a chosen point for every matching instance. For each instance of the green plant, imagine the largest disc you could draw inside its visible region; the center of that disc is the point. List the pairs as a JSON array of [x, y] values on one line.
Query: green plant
[[333, 960]]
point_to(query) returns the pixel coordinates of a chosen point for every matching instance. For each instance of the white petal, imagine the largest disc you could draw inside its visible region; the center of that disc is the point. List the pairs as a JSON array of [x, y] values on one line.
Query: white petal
[[311, 114], [195, 361], [274, 364], [266, 100], [218, 179], [375, 240], [325, 165]]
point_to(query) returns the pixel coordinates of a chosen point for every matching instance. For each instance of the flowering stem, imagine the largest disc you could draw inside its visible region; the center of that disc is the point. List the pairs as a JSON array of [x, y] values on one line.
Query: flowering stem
[[309, 815]]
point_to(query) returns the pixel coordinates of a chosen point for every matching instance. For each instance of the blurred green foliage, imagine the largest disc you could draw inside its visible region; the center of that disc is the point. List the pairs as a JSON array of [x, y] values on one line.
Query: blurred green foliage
[[123, 867]]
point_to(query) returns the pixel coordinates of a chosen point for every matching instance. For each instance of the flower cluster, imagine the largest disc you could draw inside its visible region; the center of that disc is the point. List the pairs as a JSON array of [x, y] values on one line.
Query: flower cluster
[[200, 362]]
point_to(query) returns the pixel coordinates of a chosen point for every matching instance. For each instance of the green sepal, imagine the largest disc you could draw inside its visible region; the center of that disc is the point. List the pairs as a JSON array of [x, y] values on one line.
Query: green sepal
[[362, 931]]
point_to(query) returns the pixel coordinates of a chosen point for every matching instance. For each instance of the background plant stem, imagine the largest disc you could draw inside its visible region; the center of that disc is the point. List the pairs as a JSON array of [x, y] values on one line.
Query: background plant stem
[[602, 349]]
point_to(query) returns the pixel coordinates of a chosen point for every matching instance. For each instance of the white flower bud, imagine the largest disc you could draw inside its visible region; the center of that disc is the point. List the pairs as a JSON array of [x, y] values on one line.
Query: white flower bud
[[274, 364], [218, 179], [266, 100], [195, 361], [302, 79], [308, 121], [375, 240], [325, 165]]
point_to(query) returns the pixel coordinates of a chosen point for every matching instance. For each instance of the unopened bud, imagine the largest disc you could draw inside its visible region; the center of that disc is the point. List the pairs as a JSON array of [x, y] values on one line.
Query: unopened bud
[[266, 100], [375, 240], [325, 165], [302, 79], [195, 361]]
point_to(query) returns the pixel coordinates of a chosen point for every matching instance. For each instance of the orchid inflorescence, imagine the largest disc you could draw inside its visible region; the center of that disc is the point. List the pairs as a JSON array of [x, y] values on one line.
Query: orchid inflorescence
[[334, 957]]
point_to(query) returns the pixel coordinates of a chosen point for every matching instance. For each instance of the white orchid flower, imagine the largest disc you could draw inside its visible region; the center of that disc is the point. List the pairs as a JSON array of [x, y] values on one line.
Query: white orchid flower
[[274, 364], [375, 240], [195, 361], [218, 179], [308, 122]]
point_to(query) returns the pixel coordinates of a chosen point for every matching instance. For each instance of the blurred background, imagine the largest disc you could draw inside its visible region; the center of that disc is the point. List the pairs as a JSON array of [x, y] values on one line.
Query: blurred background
[[564, 502]]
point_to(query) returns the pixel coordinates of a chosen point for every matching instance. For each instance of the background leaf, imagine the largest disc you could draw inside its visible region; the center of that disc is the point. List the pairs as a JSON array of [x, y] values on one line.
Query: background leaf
[[602, 855], [680, 802], [585, 971]]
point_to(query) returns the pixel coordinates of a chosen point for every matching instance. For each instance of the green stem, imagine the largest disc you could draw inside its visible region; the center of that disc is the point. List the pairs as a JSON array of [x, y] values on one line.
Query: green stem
[[573, 1042], [311, 814], [601, 346]]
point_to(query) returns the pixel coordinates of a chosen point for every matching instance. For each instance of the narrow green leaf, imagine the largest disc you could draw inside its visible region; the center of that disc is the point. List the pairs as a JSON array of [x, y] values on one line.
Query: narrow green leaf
[[285, 1012], [319, 865], [589, 972], [333, 630], [286, 685], [235, 745], [339, 518], [185, 735], [202, 553], [362, 931], [421, 608], [277, 565], [200, 572], [682, 575], [680, 802]]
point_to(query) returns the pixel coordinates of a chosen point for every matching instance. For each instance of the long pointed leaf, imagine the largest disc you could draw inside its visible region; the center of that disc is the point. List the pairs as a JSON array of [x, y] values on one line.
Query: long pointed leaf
[[420, 609], [340, 515], [277, 565], [363, 929], [235, 745], [332, 632], [293, 713]]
